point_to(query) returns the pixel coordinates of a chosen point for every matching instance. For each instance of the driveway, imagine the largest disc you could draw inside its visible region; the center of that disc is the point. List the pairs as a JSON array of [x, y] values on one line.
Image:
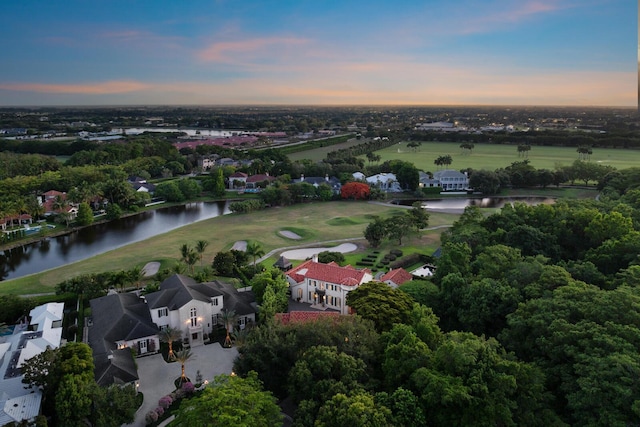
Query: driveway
[[157, 376]]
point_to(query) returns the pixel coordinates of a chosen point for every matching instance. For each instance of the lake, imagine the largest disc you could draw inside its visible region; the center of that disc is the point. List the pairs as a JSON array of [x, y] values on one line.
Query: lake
[[87, 242]]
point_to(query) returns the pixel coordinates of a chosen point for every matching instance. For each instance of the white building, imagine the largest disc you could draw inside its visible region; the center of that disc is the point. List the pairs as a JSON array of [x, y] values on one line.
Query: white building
[[451, 180], [18, 403], [325, 286], [195, 308], [385, 182]]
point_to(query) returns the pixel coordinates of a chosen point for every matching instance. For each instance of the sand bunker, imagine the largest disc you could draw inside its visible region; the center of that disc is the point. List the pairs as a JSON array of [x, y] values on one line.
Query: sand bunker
[[290, 235], [240, 245], [309, 252], [150, 269]]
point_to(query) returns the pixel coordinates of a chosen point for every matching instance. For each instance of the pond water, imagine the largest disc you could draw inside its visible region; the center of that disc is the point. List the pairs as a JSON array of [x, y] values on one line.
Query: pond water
[[485, 202], [94, 240]]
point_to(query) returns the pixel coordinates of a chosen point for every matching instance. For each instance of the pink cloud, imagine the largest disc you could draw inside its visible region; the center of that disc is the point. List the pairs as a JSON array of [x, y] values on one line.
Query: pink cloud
[[102, 88], [500, 15], [226, 51]]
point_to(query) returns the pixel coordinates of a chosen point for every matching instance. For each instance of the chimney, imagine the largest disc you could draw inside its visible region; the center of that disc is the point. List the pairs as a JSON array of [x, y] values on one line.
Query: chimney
[[314, 258], [302, 177], [326, 177]]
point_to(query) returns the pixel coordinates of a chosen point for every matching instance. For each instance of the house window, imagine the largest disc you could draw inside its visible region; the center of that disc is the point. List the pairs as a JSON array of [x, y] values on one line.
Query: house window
[[194, 317], [214, 320], [215, 301], [163, 312]]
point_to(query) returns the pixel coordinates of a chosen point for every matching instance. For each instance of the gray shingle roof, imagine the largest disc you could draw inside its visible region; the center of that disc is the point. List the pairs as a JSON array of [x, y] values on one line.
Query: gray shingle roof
[[178, 290], [117, 317], [120, 317], [119, 369]]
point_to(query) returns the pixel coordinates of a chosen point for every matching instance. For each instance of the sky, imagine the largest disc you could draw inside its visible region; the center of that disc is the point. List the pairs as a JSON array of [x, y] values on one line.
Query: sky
[[319, 52]]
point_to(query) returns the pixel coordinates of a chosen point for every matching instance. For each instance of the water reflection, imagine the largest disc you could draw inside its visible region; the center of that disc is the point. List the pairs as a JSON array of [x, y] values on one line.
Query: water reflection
[[484, 202], [100, 238]]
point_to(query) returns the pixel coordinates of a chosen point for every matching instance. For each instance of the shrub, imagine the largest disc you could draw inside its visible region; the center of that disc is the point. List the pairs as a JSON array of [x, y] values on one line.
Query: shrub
[[410, 260], [151, 417], [159, 410], [165, 401], [396, 252], [188, 388]]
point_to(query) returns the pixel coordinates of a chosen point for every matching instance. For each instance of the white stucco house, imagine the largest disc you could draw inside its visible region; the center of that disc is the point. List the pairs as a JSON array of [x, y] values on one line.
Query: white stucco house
[[194, 308], [384, 181], [325, 286], [451, 179], [18, 402]]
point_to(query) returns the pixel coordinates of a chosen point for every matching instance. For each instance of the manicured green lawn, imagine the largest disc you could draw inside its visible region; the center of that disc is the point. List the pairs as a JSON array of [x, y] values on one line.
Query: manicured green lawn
[[494, 156], [319, 154], [315, 222]]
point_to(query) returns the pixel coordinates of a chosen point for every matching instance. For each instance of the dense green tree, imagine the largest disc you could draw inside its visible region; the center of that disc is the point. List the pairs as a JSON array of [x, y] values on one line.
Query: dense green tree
[[274, 279], [326, 257], [231, 400], [85, 214], [170, 191], [404, 406], [586, 341], [484, 181], [284, 344], [356, 409], [418, 215], [381, 304], [190, 188], [375, 232], [322, 371]]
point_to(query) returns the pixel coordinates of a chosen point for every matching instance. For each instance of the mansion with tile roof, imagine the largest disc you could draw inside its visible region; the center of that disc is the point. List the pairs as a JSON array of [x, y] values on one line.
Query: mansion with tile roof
[[325, 285]]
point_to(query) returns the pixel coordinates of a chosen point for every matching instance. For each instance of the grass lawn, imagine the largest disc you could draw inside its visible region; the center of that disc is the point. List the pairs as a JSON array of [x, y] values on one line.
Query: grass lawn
[[494, 156], [319, 154], [315, 222]]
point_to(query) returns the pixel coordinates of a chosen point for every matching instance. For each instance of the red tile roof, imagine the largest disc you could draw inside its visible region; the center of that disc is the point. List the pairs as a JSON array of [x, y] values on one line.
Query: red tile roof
[[397, 276], [304, 316], [260, 178], [331, 273]]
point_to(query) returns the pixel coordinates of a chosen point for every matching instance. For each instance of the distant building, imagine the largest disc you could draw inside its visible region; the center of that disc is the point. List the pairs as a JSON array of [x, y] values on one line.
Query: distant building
[[451, 180]]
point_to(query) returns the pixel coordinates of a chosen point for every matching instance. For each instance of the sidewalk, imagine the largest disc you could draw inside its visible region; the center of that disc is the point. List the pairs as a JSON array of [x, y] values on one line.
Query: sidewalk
[[157, 376]]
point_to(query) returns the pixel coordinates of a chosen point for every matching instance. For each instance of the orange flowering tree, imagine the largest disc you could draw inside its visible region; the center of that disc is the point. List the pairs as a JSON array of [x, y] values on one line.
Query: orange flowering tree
[[355, 191]]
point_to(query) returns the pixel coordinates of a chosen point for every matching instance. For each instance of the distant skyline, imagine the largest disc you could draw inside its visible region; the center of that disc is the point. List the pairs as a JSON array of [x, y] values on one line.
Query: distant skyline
[[349, 52]]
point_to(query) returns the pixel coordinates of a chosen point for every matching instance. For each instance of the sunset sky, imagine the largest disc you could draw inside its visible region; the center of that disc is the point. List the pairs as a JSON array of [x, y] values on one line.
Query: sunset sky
[[319, 52]]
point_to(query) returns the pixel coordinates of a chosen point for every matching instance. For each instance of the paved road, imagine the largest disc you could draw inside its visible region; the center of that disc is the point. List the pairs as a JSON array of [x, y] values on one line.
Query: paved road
[[157, 376]]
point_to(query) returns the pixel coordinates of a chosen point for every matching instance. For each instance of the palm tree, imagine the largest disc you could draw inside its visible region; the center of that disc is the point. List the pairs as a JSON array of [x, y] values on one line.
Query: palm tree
[[183, 356], [240, 337], [135, 276], [191, 260], [201, 245], [169, 335], [185, 249], [229, 318], [254, 250]]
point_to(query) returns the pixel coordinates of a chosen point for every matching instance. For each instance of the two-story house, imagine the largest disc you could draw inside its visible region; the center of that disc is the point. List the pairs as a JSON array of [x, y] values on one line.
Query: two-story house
[[325, 285], [195, 308], [452, 179]]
